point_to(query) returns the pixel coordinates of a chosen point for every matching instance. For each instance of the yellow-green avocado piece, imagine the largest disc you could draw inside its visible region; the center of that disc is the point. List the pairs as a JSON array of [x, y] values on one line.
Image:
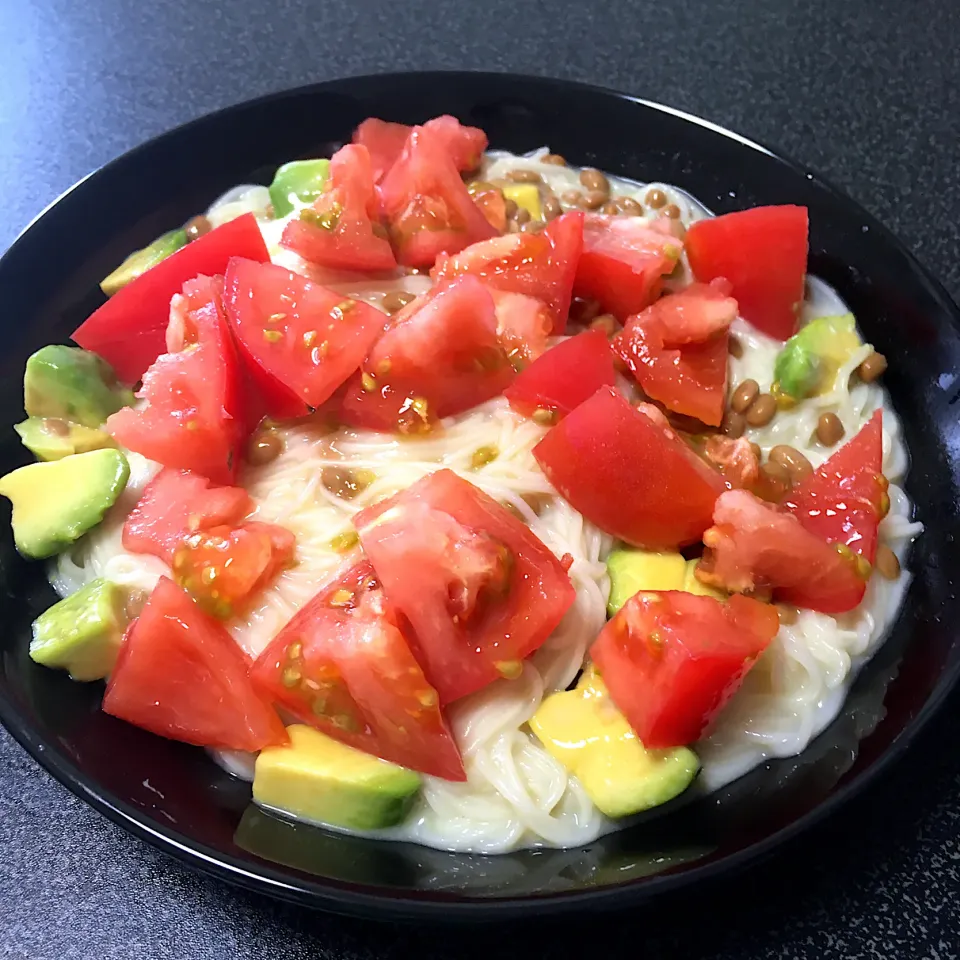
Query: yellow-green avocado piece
[[67, 383], [525, 195], [140, 261], [808, 363], [55, 503], [631, 571], [81, 634], [53, 439], [584, 730], [320, 779], [304, 179]]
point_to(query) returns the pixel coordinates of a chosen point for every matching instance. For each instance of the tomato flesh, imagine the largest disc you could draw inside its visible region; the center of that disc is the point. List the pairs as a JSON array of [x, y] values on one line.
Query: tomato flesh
[[300, 341], [440, 356], [762, 252], [677, 350], [755, 545], [564, 377], [672, 660], [192, 417], [180, 675], [629, 474], [540, 265], [128, 331], [342, 229], [344, 665], [480, 590], [524, 325], [623, 262]]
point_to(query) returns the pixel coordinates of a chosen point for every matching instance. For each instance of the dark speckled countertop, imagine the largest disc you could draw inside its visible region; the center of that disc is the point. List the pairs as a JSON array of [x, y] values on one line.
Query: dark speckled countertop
[[865, 91]]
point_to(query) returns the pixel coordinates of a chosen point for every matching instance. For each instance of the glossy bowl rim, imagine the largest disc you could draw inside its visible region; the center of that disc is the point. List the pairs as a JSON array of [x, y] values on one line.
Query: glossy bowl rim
[[357, 900]]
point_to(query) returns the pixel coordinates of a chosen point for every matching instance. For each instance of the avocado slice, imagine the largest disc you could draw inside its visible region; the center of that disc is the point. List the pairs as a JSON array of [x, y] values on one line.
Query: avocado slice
[[631, 571], [81, 634], [67, 383], [55, 503], [584, 730], [140, 261], [52, 439], [304, 179], [525, 195], [320, 779], [808, 362]]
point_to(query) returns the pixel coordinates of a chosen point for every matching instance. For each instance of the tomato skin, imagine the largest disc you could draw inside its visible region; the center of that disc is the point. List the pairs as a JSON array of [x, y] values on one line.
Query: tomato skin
[[623, 262], [677, 350], [565, 376], [349, 206], [181, 675], [281, 321], [846, 498], [193, 417], [538, 265], [629, 474], [753, 544], [439, 356], [478, 587], [672, 660], [762, 252], [128, 331], [343, 665]]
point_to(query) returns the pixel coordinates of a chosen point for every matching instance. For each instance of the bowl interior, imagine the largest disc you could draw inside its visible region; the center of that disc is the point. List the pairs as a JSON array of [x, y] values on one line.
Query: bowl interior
[[176, 797]]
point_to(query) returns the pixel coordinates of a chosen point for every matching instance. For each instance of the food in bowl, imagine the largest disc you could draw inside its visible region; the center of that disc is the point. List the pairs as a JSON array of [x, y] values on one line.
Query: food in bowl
[[467, 498]]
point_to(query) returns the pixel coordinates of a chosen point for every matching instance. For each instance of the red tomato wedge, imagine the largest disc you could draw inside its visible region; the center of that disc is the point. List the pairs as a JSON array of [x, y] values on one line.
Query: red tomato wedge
[[672, 660], [736, 460], [182, 676], [629, 474], [677, 350], [623, 262], [425, 203], [846, 498], [756, 545], [524, 325], [344, 665], [192, 417], [564, 377], [128, 331], [300, 340], [481, 591], [176, 503], [763, 253], [385, 141], [342, 229], [440, 356], [540, 265]]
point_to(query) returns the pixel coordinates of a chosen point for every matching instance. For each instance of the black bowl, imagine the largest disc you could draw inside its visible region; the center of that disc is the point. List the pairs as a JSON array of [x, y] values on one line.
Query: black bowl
[[174, 797]]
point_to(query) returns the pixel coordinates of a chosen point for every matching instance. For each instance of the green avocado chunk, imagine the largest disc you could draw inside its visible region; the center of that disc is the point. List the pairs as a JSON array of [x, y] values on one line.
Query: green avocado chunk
[[320, 779], [67, 383], [55, 503], [81, 634], [141, 261], [52, 439], [304, 179], [808, 362]]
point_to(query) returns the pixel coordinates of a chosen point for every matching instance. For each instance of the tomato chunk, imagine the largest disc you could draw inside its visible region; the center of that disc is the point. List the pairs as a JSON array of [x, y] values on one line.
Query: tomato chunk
[[384, 142], [846, 498], [344, 665], [672, 660], [300, 340], [176, 503], [564, 377], [763, 253], [524, 325], [192, 417], [735, 459], [481, 591], [440, 356], [623, 262], [128, 330], [540, 265], [180, 675], [677, 350], [425, 203], [629, 474], [755, 545], [342, 229]]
